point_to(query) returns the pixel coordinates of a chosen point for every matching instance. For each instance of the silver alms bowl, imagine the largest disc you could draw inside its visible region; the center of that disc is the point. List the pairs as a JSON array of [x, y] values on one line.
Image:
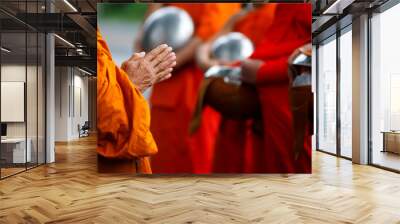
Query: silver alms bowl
[[233, 46], [229, 74], [168, 25]]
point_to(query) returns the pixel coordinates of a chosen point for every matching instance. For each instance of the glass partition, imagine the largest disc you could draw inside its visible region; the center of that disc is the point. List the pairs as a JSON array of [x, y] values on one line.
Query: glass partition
[[15, 150], [22, 90]]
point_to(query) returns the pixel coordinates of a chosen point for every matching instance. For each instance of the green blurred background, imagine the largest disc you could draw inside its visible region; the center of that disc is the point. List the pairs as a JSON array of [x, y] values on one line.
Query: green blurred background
[[123, 11], [119, 24]]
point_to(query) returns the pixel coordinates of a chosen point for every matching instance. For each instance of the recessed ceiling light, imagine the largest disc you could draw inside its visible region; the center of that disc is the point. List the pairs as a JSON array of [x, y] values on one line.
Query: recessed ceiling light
[[84, 71], [337, 7], [70, 5], [5, 50], [65, 41]]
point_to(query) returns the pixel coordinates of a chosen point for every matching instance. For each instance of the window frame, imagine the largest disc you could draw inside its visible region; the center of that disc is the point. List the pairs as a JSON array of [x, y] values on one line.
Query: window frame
[[334, 37]]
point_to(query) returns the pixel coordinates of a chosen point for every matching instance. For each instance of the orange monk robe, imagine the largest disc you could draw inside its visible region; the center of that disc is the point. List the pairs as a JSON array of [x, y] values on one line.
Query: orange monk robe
[[123, 115], [174, 100], [255, 24], [291, 29], [236, 141]]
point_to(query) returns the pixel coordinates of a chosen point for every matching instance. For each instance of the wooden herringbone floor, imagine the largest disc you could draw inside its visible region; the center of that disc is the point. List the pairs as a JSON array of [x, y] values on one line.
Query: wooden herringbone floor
[[71, 191]]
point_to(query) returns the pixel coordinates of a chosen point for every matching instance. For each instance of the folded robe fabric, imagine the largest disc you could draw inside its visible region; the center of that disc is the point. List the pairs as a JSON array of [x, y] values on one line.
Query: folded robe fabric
[[197, 115], [290, 30], [236, 145], [273, 153], [301, 99]]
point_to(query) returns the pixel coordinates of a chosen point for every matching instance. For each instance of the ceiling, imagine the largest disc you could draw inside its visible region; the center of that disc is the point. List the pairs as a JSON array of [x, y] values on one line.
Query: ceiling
[[74, 21], [331, 15]]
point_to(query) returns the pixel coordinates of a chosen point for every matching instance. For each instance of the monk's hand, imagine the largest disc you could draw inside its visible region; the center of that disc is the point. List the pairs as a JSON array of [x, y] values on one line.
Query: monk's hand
[[250, 68], [139, 71], [144, 70], [203, 57], [162, 59]]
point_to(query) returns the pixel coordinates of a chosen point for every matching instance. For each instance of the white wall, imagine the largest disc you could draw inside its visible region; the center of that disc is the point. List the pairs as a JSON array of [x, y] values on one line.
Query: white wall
[[61, 103], [12, 73], [80, 100], [33, 127], [71, 94]]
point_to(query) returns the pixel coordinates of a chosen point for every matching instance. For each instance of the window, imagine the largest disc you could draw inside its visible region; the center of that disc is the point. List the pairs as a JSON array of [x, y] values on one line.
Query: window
[[385, 89], [346, 93], [327, 96]]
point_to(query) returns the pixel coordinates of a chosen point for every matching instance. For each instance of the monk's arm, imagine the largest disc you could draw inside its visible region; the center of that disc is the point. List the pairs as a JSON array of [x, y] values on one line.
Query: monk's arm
[[187, 53], [123, 114], [273, 71], [227, 27], [203, 55]]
